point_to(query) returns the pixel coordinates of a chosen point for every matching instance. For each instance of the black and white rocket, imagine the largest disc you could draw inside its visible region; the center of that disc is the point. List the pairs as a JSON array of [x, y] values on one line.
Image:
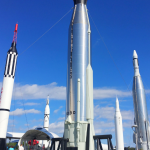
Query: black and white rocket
[[7, 89], [141, 136]]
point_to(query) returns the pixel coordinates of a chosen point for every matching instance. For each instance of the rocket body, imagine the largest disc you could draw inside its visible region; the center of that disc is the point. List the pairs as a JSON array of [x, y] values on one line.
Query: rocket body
[[77, 61], [141, 120], [46, 120], [79, 104], [118, 128], [6, 93]]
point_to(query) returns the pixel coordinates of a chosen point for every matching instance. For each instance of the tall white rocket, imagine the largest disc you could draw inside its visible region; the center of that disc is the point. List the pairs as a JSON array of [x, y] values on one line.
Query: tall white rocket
[[46, 114], [46, 121], [7, 89], [118, 128]]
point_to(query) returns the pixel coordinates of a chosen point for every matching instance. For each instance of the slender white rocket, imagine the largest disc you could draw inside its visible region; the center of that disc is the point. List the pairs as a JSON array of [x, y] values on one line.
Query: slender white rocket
[[46, 120], [89, 90], [7, 89], [118, 128], [46, 114]]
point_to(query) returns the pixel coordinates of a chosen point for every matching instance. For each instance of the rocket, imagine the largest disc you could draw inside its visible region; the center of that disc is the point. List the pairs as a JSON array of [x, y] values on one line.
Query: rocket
[[77, 59], [141, 136], [46, 120], [79, 104], [7, 89], [46, 115], [118, 128]]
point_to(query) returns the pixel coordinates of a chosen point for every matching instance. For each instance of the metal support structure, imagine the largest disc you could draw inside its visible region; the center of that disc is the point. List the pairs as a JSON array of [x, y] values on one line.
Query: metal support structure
[[62, 143], [88, 138], [100, 144], [98, 138]]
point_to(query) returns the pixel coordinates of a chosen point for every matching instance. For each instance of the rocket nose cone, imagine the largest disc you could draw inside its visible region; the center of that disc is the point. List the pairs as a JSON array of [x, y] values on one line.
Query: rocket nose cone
[[117, 104], [13, 48], [135, 54], [80, 1]]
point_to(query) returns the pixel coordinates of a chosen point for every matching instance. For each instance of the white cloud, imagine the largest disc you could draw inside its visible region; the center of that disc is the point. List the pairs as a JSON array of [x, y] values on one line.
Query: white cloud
[[103, 127], [57, 127], [39, 120], [55, 111], [104, 112], [26, 125], [18, 112], [106, 116], [109, 130], [109, 112], [128, 124], [104, 124], [29, 104], [127, 115], [35, 91], [11, 125], [102, 93], [98, 131], [11, 121], [63, 113], [61, 118]]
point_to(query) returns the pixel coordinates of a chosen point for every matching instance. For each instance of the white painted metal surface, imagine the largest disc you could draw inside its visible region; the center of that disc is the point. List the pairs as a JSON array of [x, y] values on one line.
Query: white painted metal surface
[[118, 128], [46, 120], [14, 135], [46, 115], [6, 92]]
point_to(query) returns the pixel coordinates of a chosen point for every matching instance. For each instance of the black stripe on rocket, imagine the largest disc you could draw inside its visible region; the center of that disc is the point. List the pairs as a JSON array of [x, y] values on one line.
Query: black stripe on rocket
[[13, 66], [4, 110], [46, 115], [10, 64]]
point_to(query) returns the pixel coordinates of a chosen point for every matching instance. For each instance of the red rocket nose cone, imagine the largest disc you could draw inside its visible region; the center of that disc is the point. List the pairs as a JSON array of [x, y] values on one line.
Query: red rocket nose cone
[[16, 28], [15, 33]]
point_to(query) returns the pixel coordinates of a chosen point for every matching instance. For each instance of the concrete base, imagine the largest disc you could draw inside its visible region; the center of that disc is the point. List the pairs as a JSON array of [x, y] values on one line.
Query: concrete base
[[3, 145]]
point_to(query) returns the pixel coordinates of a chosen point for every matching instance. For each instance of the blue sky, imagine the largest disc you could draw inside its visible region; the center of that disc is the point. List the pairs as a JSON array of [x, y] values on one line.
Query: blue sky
[[42, 69]]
